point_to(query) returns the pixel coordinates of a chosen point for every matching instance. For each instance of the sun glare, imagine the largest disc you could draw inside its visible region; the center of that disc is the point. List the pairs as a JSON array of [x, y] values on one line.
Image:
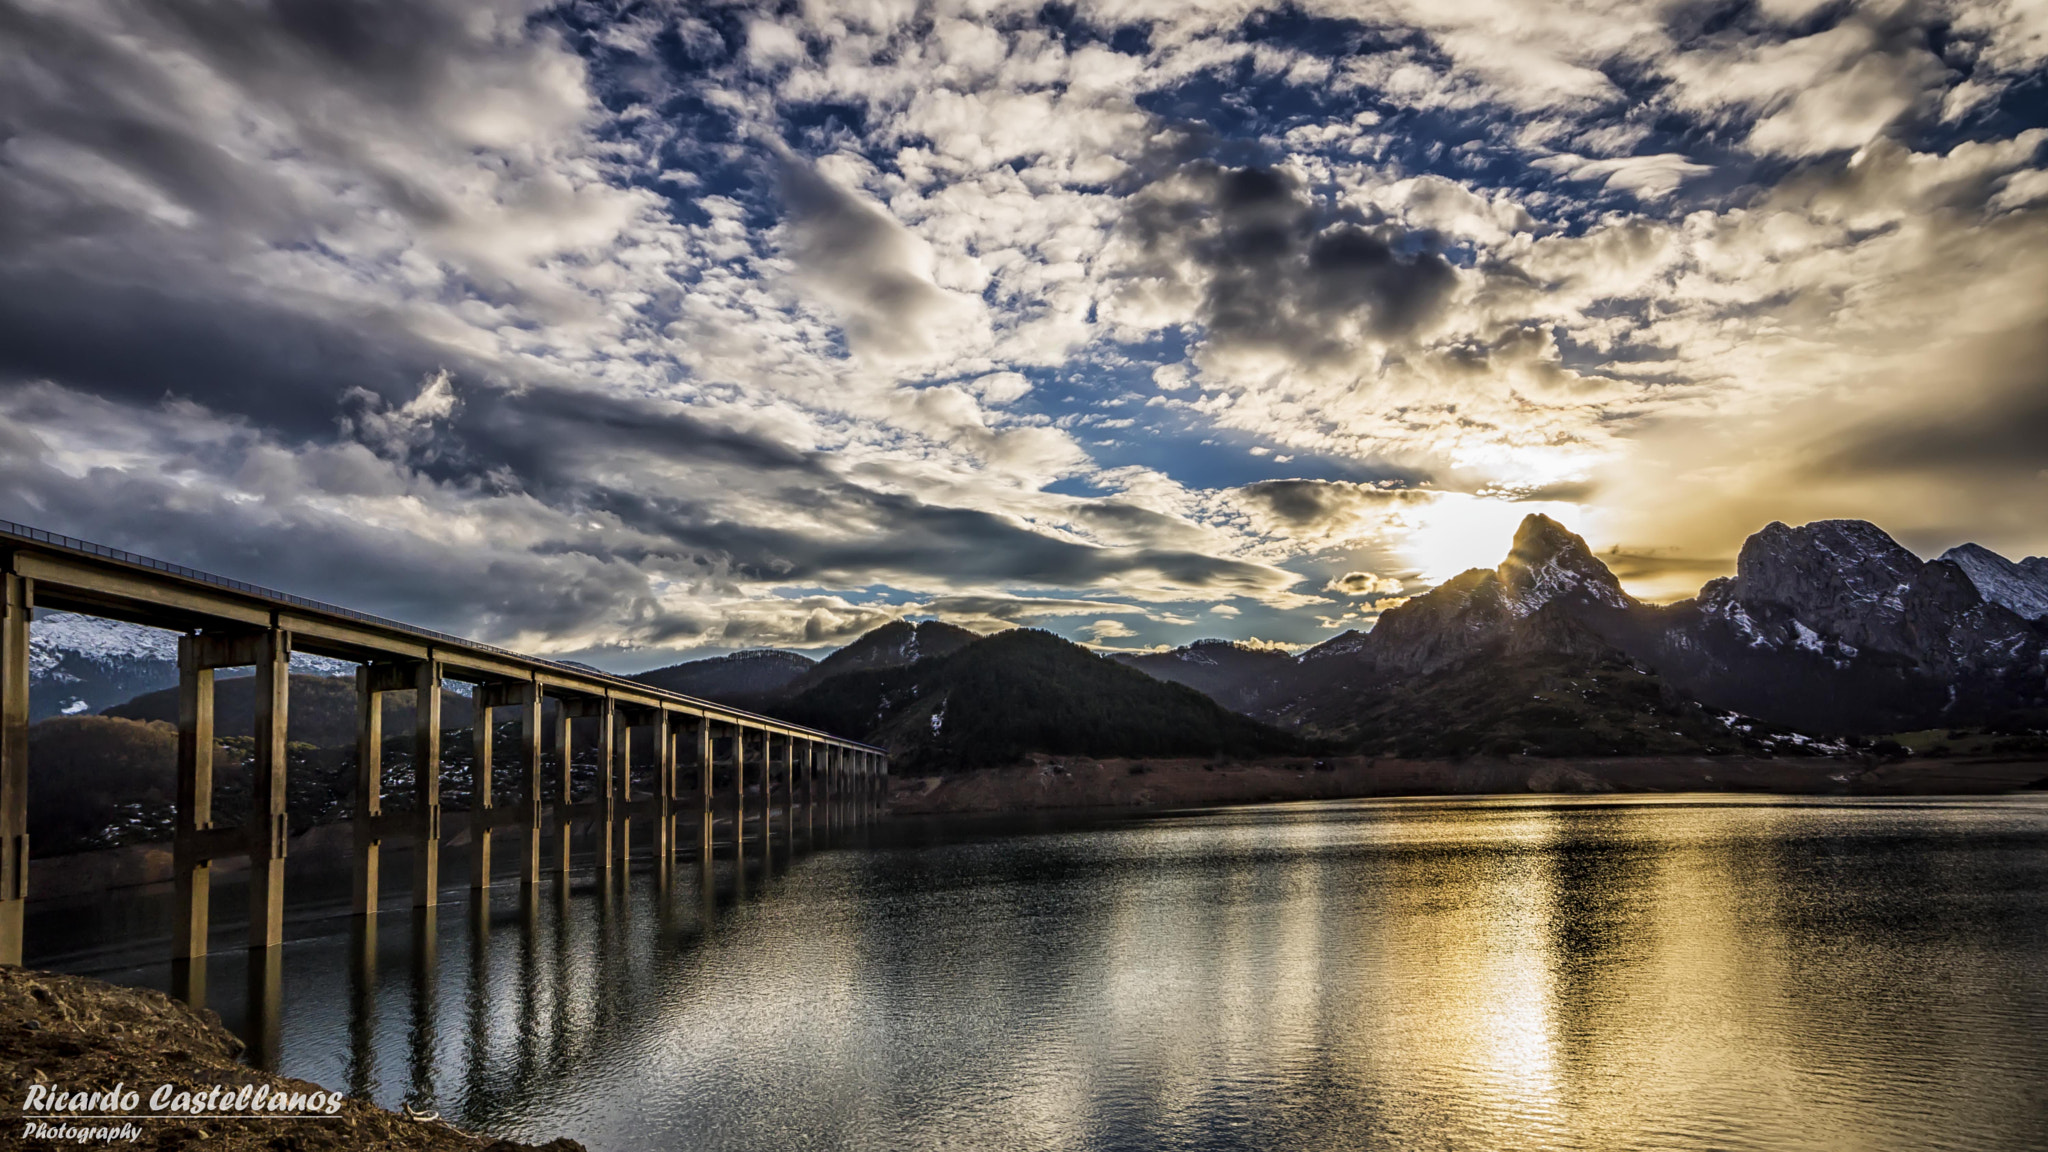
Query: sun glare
[[1457, 532]]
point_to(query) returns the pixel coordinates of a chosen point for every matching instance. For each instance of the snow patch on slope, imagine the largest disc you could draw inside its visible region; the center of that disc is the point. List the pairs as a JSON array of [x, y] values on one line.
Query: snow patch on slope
[[54, 635]]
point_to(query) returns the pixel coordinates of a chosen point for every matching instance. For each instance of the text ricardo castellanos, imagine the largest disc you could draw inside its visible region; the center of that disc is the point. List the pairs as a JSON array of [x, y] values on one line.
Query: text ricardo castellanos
[[52, 1112]]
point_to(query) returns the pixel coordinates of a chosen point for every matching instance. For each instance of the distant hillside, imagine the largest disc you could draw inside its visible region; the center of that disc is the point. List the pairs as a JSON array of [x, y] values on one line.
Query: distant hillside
[[321, 710], [893, 645], [1238, 676], [1022, 691], [746, 680]]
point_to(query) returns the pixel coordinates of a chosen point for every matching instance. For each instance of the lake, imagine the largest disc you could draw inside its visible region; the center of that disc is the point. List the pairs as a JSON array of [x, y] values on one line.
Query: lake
[[1529, 972]]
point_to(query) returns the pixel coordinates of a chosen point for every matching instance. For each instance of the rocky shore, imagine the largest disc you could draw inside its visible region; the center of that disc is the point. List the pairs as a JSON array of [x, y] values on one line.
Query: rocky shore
[[74, 1034], [1046, 782]]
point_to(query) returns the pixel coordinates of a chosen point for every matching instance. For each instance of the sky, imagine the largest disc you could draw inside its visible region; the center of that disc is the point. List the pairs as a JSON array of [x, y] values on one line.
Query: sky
[[637, 332]]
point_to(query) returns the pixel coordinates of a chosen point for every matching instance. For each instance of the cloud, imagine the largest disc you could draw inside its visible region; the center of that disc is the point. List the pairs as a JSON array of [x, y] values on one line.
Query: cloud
[[1648, 177], [1108, 630], [1318, 510], [605, 332], [1363, 584], [1248, 255], [875, 274]]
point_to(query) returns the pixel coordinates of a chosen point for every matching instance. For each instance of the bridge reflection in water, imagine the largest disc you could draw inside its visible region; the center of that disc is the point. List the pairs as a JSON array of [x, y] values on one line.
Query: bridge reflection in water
[[473, 1008]]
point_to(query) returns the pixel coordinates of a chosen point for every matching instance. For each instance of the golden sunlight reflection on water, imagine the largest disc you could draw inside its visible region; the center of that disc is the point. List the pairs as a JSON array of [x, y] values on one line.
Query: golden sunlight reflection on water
[[1508, 973]]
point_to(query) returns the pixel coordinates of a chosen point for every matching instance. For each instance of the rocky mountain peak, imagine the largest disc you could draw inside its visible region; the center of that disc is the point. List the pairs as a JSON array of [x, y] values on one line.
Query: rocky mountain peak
[[2022, 587], [1548, 560], [1827, 564]]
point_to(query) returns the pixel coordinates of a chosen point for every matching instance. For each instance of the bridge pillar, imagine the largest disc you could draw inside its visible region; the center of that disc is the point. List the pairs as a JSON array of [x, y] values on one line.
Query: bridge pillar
[[789, 792], [369, 833], [20, 602], [810, 792], [624, 790], [481, 770], [268, 830], [191, 865], [829, 781], [767, 793], [740, 792], [706, 812], [426, 769], [530, 739], [607, 812], [665, 791], [564, 729]]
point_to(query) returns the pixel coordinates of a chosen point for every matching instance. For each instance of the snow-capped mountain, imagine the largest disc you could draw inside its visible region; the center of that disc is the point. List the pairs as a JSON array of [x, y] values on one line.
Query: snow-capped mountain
[[1832, 626], [85, 664], [79, 664], [2022, 586]]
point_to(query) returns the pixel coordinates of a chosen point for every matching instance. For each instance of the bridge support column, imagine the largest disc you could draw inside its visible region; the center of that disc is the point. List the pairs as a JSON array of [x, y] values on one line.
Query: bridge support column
[[624, 791], [20, 602], [191, 864], [606, 809], [426, 768], [564, 728], [369, 785], [706, 812], [268, 830], [789, 792], [767, 794], [665, 792], [739, 792], [529, 739], [481, 769], [810, 792]]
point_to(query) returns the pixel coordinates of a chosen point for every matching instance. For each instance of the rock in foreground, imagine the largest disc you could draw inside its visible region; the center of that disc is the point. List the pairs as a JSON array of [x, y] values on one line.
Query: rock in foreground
[[80, 1034]]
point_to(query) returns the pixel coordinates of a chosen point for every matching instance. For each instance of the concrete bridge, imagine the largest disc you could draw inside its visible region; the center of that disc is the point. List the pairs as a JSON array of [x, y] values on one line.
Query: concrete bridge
[[227, 624]]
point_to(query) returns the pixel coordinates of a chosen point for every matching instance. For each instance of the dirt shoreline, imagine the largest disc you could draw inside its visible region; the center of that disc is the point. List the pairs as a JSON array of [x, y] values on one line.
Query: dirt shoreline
[[1048, 782], [74, 1033]]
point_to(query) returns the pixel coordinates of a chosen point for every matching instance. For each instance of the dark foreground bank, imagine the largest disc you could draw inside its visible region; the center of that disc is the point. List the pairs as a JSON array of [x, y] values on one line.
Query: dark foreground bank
[[73, 1034], [1079, 782]]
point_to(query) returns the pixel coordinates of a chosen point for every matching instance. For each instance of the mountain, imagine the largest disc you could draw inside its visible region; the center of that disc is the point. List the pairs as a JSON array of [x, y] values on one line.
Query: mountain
[[1830, 627], [1237, 676], [1480, 645], [747, 680], [893, 645], [2022, 587], [1002, 696], [80, 664], [1834, 626], [84, 664]]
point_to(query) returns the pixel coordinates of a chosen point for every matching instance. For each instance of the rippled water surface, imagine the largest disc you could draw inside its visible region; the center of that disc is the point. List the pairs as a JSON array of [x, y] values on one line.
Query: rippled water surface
[[1512, 973]]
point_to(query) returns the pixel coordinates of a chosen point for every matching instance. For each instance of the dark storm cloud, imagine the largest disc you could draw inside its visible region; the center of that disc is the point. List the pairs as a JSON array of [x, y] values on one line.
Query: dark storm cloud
[[1274, 270], [128, 202], [139, 342], [1312, 503]]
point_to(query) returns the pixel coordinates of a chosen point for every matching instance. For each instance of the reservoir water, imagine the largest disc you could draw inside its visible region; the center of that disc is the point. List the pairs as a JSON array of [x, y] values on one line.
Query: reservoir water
[[1513, 973]]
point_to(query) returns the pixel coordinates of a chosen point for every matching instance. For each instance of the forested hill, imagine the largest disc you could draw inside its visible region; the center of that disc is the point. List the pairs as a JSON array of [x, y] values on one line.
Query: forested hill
[[1003, 696]]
